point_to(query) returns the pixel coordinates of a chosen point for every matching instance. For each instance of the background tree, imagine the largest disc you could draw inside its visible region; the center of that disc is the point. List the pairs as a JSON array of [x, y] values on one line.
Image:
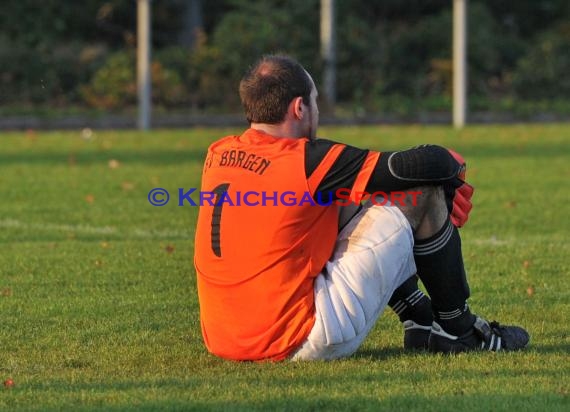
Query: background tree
[[392, 55]]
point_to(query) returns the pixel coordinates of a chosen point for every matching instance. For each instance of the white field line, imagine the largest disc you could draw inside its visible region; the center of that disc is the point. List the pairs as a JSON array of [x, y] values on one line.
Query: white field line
[[138, 233], [92, 230], [493, 240]]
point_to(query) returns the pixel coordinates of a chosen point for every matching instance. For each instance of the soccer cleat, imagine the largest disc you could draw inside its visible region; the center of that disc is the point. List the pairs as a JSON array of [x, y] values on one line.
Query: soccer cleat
[[482, 336], [415, 335]]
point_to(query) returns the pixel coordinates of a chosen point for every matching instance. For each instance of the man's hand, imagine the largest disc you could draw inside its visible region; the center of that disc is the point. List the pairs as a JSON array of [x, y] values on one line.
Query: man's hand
[[460, 195]]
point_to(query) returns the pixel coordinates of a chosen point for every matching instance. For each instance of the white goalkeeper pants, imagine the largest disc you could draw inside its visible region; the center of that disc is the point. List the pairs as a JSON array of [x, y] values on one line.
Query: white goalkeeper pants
[[373, 256]]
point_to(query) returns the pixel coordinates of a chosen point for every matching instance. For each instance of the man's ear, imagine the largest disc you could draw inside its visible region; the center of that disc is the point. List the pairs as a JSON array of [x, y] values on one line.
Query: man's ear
[[296, 107]]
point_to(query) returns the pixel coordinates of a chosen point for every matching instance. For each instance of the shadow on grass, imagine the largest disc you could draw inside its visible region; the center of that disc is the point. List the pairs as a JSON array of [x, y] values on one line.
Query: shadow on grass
[[406, 402], [380, 353], [142, 397], [396, 352], [560, 348], [79, 158]]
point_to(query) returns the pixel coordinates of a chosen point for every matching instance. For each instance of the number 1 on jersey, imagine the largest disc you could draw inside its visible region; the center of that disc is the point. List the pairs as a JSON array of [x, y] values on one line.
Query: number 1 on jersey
[[217, 218]]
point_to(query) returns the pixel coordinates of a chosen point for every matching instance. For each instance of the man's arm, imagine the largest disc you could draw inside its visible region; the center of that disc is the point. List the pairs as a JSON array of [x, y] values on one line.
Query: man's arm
[[348, 167], [419, 166]]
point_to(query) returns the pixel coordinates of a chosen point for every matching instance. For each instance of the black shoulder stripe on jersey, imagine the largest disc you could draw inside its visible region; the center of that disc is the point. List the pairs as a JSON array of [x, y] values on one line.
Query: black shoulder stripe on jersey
[[315, 152], [344, 171]]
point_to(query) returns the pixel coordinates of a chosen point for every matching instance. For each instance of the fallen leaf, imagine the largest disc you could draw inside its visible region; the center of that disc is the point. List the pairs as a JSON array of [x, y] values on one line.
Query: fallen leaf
[[526, 264], [31, 134], [6, 292], [114, 164], [104, 245], [89, 198], [530, 291], [511, 204], [169, 248], [127, 186], [86, 133]]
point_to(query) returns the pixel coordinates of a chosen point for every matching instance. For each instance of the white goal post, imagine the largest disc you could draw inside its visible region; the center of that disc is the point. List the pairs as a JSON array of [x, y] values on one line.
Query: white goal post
[[459, 62]]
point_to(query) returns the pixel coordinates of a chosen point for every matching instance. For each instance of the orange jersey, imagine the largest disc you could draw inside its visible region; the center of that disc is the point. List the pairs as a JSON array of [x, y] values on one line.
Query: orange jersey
[[257, 255]]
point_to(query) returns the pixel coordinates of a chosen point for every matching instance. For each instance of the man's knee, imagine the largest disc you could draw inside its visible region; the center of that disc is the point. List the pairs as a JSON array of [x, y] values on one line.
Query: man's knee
[[431, 196], [428, 202]]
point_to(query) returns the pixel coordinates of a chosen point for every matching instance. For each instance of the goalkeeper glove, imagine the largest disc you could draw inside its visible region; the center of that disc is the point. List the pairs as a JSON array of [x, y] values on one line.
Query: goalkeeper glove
[[458, 195]]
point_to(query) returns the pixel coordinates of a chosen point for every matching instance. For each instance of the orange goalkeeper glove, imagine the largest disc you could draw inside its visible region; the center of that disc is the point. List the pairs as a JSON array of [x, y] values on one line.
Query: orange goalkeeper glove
[[460, 194]]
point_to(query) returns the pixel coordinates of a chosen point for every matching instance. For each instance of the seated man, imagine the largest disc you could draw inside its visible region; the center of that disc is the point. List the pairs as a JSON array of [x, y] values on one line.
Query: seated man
[[288, 267]]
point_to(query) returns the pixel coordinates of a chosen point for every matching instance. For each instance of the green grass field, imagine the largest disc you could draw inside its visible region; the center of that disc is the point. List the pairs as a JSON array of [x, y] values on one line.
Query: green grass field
[[98, 298]]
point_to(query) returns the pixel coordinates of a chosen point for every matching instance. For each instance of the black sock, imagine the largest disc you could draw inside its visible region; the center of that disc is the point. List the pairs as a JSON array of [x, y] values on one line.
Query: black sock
[[440, 267], [457, 321], [410, 303]]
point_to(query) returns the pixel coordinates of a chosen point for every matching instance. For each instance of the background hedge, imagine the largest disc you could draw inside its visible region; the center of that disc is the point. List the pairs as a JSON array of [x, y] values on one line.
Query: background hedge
[[393, 55]]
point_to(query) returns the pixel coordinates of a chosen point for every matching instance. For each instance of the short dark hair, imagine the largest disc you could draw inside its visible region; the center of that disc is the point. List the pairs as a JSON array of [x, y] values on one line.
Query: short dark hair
[[269, 86]]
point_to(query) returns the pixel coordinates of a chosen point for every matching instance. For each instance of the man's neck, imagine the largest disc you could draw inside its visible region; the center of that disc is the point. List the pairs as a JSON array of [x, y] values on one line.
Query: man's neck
[[284, 129]]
